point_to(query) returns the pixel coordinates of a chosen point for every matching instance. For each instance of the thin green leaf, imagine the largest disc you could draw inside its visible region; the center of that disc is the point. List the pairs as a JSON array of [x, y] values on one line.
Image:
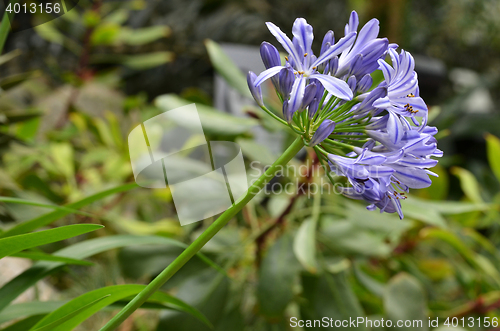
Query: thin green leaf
[[81, 250], [276, 278], [45, 205], [138, 61], [55, 215], [108, 296], [468, 183], [226, 68], [21, 242], [38, 256], [53, 326]]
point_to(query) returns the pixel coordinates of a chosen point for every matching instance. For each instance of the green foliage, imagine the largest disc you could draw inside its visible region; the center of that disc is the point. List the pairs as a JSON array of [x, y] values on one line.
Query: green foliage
[[63, 148], [214, 122]]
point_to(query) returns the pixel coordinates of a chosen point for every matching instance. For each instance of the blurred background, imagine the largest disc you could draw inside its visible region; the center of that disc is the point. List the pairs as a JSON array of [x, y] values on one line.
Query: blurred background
[[74, 87]]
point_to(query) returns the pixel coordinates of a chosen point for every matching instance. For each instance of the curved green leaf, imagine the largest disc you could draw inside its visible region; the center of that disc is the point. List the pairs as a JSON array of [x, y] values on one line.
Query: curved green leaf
[[24, 324], [21, 242], [46, 219], [72, 315], [105, 297]]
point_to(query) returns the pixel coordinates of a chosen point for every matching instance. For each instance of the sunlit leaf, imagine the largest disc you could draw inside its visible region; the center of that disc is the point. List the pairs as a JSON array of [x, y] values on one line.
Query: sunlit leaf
[[24, 324]]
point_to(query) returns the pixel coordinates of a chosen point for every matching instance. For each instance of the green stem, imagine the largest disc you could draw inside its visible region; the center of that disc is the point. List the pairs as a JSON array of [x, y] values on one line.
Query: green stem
[[211, 231], [273, 115]]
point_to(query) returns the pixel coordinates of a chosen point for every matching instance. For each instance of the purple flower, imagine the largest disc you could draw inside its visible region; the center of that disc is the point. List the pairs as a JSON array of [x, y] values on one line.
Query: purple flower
[[366, 51], [271, 58], [402, 85], [255, 90], [303, 61], [389, 151]]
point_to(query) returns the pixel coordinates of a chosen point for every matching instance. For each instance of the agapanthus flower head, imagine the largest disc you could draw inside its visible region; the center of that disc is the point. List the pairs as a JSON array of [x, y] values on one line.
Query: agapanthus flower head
[[375, 136]]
